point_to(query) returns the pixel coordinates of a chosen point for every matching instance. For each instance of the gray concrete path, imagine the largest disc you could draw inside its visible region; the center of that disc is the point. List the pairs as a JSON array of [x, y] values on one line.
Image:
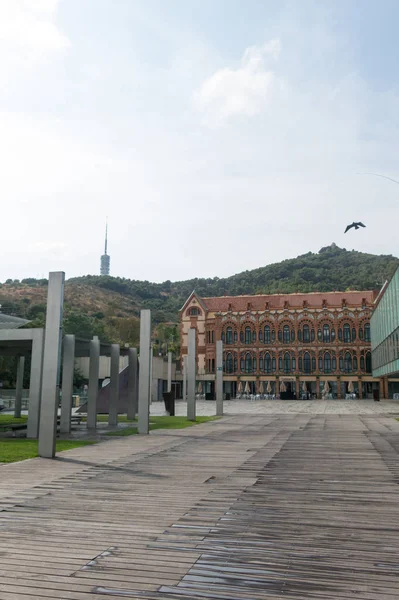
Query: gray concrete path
[[254, 507]]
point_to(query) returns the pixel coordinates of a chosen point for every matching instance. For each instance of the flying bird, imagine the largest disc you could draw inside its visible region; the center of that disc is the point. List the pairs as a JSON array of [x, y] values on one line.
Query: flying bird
[[355, 225]]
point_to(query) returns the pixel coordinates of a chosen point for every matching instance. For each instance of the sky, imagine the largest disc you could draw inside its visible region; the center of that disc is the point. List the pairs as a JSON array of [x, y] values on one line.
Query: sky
[[216, 135]]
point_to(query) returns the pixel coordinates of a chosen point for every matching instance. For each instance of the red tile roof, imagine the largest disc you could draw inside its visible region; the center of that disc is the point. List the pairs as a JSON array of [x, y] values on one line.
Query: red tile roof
[[277, 301]]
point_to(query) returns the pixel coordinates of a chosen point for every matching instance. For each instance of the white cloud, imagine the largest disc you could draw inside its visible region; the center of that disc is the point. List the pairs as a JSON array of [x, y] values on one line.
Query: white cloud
[[242, 91]]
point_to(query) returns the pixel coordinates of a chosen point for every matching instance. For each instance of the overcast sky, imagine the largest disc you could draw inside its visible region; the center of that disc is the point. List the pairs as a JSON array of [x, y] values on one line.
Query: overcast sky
[[217, 135]]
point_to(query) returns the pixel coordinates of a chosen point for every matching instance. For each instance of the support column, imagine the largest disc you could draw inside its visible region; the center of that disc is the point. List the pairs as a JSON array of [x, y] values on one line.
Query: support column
[[114, 387], [219, 378], [51, 365], [169, 372], [339, 393], [145, 382], [132, 396], [19, 386], [191, 375], [317, 389], [94, 369], [68, 367], [35, 384], [297, 387], [185, 378], [360, 388]]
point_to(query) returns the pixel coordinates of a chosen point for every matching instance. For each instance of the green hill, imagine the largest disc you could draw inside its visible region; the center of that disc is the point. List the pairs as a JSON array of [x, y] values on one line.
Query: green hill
[[332, 268]]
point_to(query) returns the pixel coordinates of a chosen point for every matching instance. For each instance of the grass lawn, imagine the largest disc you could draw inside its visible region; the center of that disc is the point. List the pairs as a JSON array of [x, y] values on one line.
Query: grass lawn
[[104, 419], [163, 423], [14, 449], [9, 419]]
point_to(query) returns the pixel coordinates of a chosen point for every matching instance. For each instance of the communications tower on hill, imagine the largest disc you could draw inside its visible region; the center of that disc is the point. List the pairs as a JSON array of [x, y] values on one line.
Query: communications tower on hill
[[105, 259]]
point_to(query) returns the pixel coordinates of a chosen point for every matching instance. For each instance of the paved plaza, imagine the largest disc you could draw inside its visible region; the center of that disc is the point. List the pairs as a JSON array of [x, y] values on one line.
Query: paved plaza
[[276, 500]]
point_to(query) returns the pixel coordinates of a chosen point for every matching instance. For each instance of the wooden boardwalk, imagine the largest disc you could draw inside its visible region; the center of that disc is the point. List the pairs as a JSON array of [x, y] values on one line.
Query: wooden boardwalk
[[251, 507]]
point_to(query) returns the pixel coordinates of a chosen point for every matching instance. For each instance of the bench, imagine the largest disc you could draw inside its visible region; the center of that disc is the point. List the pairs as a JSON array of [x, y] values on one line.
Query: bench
[[14, 427]]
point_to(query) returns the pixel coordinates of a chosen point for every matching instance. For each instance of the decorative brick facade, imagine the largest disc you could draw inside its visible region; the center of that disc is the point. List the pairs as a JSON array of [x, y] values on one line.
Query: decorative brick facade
[[301, 340]]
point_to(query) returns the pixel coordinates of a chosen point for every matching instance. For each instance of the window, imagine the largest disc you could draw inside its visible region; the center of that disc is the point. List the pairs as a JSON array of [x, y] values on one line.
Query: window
[[194, 311], [280, 363], [299, 335], [348, 363], [319, 335], [293, 361], [267, 363], [334, 363], [333, 334], [320, 363], [254, 336], [261, 363], [355, 363], [347, 333], [241, 337], [213, 365], [306, 363], [235, 337], [273, 336], [248, 335], [368, 362], [300, 363], [313, 363], [248, 363], [267, 334], [312, 335], [292, 335], [229, 336], [306, 333], [360, 333], [340, 334], [327, 362], [367, 337], [287, 363], [280, 336], [235, 363], [254, 364], [260, 335], [326, 334], [273, 364], [242, 365], [362, 363], [286, 334], [353, 334], [229, 363], [223, 337]]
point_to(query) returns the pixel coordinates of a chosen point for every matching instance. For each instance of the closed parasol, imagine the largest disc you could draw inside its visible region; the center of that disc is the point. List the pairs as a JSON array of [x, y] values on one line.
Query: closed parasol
[[283, 387], [326, 387], [260, 388], [199, 389], [304, 388], [247, 388], [350, 387], [239, 388], [269, 387]]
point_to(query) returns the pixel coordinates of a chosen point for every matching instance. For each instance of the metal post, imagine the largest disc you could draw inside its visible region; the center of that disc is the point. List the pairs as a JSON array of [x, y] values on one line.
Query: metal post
[[68, 366], [145, 371], [19, 386], [51, 365], [114, 387], [35, 384], [132, 397], [93, 383], [185, 378], [169, 372], [219, 378], [191, 375]]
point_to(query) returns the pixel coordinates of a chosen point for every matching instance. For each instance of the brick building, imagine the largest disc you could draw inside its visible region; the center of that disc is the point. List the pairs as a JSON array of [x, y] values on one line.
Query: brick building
[[299, 340]]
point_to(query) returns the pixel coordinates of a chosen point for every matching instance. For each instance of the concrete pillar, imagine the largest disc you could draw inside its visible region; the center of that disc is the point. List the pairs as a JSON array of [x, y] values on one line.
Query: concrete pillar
[[185, 378], [35, 384], [151, 371], [19, 386], [51, 365], [219, 378], [68, 366], [169, 372], [145, 371], [132, 389], [191, 375], [94, 368], [114, 387]]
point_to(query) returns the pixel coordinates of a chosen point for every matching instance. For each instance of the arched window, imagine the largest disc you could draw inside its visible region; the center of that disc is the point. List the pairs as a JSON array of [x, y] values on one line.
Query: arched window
[[241, 337], [293, 363], [248, 363], [332, 334], [242, 365], [307, 367], [367, 337], [348, 363], [362, 363], [280, 336], [248, 335], [360, 333], [223, 337], [312, 335], [292, 335], [340, 334], [273, 364], [306, 334], [347, 333], [254, 336], [260, 335], [280, 363], [194, 311], [299, 335], [266, 336], [286, 334], [368, 362], [354, 363], [327, 362], [229, 363], [229, 336], [267, 363], [300, 363], [235, 337], [287, 363], [273, 336], [313, 363], [319, 335], [326, 334], [261, 364], [254, 364], [334, 363], [353, 334]]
